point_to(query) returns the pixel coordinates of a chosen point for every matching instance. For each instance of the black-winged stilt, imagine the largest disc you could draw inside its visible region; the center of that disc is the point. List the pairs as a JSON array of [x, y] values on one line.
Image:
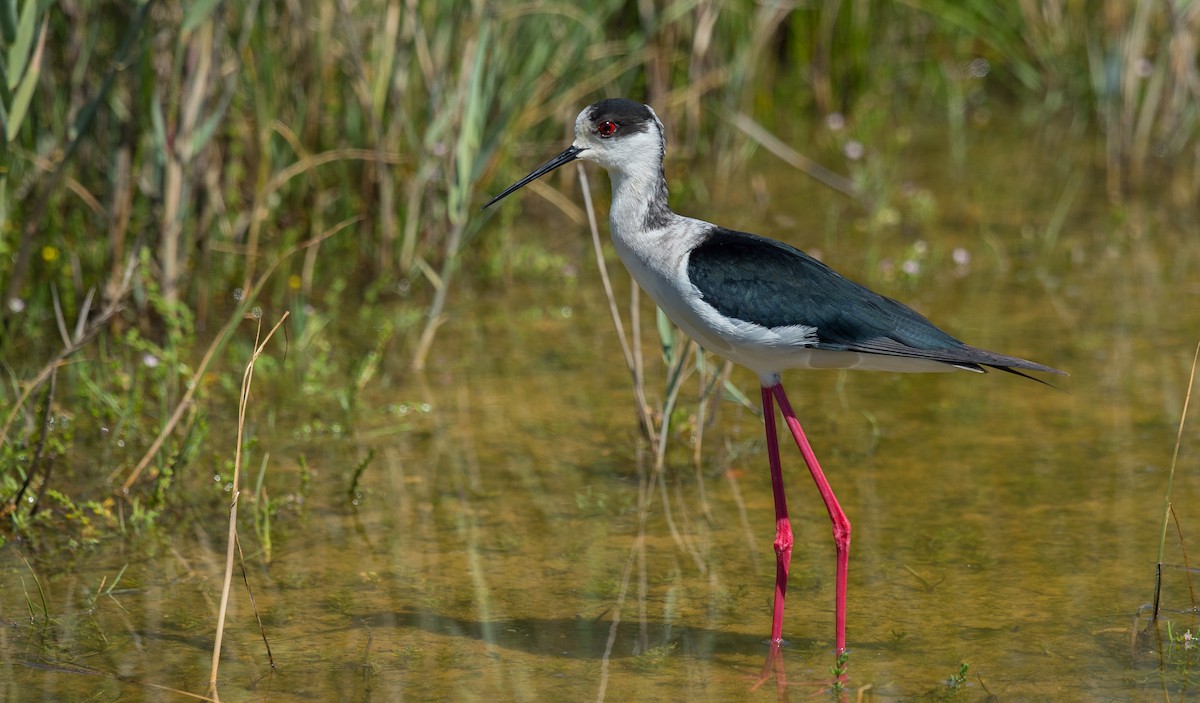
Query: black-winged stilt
[[758, 302]]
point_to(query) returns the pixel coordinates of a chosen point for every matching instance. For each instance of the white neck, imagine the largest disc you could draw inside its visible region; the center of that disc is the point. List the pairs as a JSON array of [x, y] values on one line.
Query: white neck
[[639, 199]]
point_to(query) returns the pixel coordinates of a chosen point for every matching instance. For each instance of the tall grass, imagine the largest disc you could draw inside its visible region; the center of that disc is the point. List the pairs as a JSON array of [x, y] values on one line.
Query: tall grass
[[157, 158]]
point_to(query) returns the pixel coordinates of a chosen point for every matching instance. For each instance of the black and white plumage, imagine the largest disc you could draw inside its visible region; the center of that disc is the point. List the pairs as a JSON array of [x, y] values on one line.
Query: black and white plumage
[[777, 287], [758, 302]]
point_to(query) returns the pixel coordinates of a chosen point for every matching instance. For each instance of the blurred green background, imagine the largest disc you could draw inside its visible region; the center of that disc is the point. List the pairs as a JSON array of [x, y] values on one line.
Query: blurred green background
[[169, 169]]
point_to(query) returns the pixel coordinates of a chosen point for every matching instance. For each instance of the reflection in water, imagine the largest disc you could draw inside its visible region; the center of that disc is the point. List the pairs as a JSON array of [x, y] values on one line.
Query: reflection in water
[[773, 671]]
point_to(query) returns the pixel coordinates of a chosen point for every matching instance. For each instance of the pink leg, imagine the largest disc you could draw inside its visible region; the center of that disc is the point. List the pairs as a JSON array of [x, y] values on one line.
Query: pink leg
[[841, 525], [783, 528]]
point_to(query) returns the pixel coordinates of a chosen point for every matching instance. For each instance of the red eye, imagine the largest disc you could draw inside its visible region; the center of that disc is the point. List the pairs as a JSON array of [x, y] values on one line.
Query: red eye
[[606, 129]]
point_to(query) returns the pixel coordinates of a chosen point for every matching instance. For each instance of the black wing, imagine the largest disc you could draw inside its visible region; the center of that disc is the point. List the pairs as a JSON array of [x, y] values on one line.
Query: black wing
[[773, 284]]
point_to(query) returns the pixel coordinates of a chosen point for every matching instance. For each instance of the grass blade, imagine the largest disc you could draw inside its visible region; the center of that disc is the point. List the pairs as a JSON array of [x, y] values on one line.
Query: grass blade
[[24, 94]]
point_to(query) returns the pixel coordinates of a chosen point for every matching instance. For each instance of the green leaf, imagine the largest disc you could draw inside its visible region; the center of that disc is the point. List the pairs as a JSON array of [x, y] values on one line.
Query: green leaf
[[202, 135], [20, 105], [24, 94], [735, 394], [159, 124], [197, 12], [666, 335], [18, 53], [3, 201], [470, 129], [8, 20], [385, 66]]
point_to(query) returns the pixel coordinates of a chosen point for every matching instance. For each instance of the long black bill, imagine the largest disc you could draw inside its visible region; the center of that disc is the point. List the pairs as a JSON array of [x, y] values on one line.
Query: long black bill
[[566, 157]]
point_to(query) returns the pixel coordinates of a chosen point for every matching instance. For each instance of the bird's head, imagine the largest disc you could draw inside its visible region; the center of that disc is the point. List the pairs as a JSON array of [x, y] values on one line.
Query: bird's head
[[620, 135]]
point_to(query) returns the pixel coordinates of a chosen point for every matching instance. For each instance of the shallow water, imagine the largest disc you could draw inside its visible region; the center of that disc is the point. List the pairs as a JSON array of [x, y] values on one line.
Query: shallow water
[[495, 549]]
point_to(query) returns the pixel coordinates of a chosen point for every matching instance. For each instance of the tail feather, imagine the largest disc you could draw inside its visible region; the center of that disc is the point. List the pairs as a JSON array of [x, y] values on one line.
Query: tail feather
[[1015, 372], [982, 360]]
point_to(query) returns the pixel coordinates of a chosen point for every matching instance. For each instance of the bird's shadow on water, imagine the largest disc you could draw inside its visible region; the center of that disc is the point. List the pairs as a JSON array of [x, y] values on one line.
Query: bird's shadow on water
[[580, 638], [588, 639]]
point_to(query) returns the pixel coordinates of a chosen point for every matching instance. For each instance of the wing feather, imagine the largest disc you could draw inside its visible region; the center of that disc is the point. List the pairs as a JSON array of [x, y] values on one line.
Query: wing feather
[[772, 284]]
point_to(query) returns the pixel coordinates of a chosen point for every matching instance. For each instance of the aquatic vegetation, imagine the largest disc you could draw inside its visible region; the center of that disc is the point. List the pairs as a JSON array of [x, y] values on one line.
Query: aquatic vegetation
[[654, 658], [838, 671], [958, 679]]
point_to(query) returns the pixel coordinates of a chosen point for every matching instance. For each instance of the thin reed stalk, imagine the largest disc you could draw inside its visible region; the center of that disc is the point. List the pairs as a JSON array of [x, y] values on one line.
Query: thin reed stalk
[[627, 350], [232, 545], [222, 338], [676, 359], [1168, 510]]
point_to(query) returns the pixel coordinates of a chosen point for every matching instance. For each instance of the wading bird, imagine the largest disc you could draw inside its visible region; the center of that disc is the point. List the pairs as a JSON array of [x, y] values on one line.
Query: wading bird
[[757, 302]]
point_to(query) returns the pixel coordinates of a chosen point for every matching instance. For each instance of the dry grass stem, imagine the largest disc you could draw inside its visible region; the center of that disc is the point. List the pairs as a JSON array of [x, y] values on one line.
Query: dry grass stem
[[243, 403]]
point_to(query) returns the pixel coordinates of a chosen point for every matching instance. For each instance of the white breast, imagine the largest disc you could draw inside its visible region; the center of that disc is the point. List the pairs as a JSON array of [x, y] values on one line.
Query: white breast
[[657, 260]]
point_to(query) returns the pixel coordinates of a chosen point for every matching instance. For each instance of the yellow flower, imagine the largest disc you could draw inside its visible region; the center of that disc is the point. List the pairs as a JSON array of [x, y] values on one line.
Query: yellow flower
[[49, 254], [294, 282]]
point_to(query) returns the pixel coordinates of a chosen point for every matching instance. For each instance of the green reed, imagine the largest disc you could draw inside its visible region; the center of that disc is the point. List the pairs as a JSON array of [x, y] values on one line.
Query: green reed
[[158, 159]]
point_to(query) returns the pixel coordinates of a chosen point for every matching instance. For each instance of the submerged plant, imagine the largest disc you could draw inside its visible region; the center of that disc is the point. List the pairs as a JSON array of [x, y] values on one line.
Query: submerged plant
[[958, 679], [838, 671], [654, 658]]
